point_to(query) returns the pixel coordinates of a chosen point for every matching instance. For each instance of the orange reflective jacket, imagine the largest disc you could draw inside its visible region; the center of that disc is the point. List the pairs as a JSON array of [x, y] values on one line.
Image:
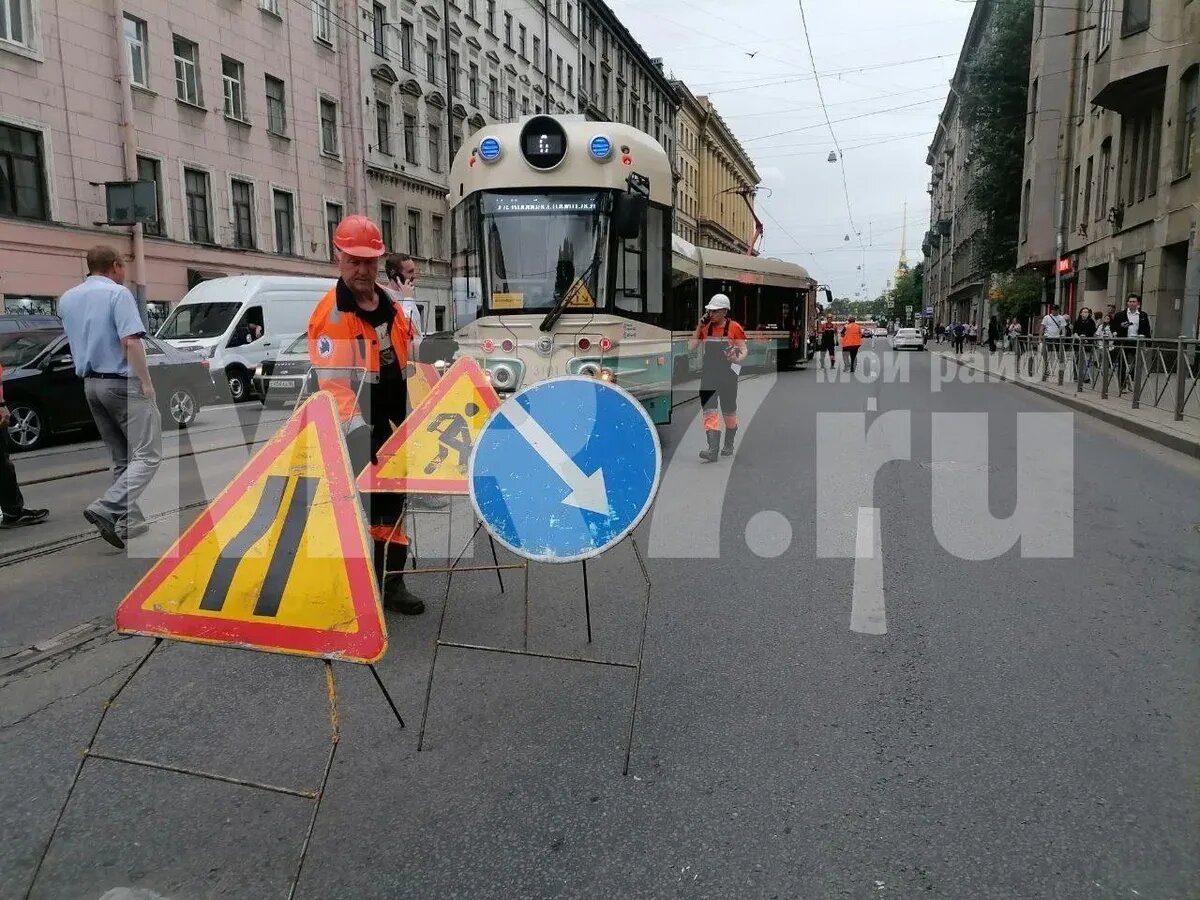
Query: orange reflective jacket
[[852, 335], [342, 342]]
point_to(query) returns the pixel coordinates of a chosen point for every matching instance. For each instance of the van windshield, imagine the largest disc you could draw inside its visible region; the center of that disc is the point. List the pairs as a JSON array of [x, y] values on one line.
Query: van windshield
[[198, 321]]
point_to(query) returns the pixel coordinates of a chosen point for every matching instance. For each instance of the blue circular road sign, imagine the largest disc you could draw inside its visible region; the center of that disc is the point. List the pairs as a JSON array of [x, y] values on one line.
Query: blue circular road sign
[[565, 469]]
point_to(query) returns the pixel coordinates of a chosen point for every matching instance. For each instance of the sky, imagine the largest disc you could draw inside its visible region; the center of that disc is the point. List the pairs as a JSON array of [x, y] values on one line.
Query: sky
[[751, 59]]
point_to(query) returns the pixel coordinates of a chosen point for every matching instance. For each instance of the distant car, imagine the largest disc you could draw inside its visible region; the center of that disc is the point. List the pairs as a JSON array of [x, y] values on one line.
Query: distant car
[[880, 332], [45, 396], [908, 339], [279, 380], [10, 323]]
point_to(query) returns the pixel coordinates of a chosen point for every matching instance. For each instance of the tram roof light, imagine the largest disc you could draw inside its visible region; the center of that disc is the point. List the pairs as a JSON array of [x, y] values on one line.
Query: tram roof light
[[490, 149]]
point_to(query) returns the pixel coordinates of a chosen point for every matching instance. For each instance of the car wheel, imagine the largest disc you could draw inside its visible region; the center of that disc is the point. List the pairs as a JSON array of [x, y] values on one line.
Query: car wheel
[[180, 408], [239, 385], [27, 429]]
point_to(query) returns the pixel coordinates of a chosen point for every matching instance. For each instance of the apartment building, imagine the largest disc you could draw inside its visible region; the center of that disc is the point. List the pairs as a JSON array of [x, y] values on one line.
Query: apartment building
[[431, 76], [239, 112], [688, 125], [955, 285], [1111, 193], [726, 186], [619, 81]]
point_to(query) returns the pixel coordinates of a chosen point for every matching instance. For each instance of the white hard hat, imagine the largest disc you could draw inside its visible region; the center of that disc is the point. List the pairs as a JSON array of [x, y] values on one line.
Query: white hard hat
[[718, 301]]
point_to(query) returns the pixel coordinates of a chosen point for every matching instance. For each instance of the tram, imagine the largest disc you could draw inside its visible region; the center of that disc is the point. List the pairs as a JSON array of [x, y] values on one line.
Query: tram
[[563, 262], [561, 258]]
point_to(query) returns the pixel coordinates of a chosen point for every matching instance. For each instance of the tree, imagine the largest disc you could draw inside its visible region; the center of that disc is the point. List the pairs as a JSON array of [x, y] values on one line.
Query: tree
[[995, 97], [908, 291], [1019, 295]]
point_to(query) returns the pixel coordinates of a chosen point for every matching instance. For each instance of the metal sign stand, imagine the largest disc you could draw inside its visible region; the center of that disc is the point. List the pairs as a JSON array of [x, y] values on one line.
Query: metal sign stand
[[90, 752], [525, 651]]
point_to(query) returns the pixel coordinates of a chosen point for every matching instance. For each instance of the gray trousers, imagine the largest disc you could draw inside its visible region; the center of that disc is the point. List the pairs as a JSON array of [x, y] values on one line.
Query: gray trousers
[[131, 426]]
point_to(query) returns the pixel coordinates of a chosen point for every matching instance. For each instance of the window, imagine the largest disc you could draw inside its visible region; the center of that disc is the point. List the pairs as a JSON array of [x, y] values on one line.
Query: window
[[1135, 17], [1075, 195], [149, 170], [383, 127], [1185, 122], [195, 189], [378, 24], [22, 173], [455, 88], [508, 23], [1089, 174], [558, 4], [135, 42], [1141, 135], [491, 16], [537, 53], [414, 232], [603, 103], [387, 226], [570, 19], [431, 52], [1031, 130], [1133, 272], [285, 222], [471, 10], [512, 104], [473, 84], [406, 45], [276, 107], [435, 147], [233, 79], [333, 215], [1025, 197], [1103, 26], [322, 21], [329, 127], [1082, 101], [521, 35], [187, 72], [524, 106], [15, 17], [592, 77], [493, 96], [271, 6], [438, 250], [241, 201], [558, 66], [1105, 169], [570, 79], [410, 138]]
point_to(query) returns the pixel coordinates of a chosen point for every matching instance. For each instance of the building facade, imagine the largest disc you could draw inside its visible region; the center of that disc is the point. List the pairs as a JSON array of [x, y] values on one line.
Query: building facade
[[619, 81], [240, 114], [687, 164], [726, 186], [1114, 83], [955, 285]]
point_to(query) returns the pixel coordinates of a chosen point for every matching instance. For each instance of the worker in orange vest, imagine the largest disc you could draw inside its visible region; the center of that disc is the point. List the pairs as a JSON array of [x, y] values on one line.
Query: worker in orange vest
[[358, 341], [724, 343], [851, 341]]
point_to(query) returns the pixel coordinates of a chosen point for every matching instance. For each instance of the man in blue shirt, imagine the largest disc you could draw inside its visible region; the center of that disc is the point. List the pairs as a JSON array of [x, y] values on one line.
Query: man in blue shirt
[[105, 330]]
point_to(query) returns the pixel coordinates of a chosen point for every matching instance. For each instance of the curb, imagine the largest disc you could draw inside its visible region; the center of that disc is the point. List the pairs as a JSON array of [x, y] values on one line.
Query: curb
[[1142, 429]]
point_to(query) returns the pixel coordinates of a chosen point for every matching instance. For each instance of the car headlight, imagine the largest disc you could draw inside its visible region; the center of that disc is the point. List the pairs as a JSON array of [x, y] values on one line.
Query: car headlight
[[258, 372]]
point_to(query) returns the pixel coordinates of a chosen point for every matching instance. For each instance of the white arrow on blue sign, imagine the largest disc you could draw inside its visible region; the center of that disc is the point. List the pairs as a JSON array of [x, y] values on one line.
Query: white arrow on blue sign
[[565, 469]]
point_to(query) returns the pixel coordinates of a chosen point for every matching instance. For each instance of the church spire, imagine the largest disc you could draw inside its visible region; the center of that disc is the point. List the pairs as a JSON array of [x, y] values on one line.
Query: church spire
[[902, 266]]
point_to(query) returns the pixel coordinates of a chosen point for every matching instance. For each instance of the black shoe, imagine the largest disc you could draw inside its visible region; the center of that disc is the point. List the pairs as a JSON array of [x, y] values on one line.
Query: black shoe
[[137, 529], [730, 434], [714, 446], [107, 529], [24, 517], [397, 598], [427, 501]]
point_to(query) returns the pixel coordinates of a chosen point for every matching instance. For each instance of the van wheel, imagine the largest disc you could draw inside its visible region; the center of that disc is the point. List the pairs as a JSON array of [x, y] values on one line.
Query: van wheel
[[239, 384]]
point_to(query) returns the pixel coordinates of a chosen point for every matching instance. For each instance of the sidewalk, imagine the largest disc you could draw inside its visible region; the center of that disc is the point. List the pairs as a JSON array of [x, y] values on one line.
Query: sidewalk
[[1158, 425]]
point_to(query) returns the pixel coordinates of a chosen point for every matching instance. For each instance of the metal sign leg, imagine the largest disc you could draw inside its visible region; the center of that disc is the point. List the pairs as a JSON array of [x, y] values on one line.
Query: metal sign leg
[[387, 696], [587, 602], [637, 671]]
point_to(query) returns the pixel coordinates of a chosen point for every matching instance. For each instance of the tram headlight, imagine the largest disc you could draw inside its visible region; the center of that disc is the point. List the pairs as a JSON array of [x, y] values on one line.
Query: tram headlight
[[503, 376], [608, 375], [589, 370]]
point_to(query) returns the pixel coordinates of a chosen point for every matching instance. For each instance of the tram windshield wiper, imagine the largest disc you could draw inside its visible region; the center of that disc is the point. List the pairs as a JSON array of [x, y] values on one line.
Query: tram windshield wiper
[[577, 285]]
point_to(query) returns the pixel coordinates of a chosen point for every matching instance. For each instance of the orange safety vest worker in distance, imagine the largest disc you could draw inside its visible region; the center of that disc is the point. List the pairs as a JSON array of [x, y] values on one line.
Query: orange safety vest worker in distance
[[852, 335], [351, 350]]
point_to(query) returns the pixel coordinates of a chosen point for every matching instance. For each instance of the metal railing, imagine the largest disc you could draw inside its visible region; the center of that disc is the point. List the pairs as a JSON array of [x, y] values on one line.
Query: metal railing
[[1146, 372]]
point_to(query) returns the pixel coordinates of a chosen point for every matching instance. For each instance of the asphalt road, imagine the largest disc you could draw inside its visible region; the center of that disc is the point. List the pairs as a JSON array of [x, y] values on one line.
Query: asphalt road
[[826, 709]]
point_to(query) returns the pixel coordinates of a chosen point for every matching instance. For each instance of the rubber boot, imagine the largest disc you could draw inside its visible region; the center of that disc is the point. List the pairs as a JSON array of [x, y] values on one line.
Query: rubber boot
[[396, 596], [730, 434], [714, 446]]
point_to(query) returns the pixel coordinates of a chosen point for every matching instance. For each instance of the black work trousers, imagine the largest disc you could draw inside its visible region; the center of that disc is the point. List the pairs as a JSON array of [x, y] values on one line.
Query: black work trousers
[[381, 509], [852, 354], [11, 501]]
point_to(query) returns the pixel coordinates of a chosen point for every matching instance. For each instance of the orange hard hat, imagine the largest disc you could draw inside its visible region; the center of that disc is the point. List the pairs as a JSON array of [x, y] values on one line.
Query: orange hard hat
[[358, 236]]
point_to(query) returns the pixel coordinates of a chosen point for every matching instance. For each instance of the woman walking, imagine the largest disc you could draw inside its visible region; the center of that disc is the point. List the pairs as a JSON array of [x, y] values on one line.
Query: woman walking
[[1085, 330]]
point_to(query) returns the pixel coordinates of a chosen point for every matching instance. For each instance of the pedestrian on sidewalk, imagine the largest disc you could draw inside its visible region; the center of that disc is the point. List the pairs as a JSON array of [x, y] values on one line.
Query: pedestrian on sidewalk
[[1085, 331], [939, 331], [1055, 329], [828, 343], [1130, 325], [959, 332], [1014, 335], [993, 333], [851, 341], [358, 343], [1104, 346], [724, 343], [13, 512], [105, 331]]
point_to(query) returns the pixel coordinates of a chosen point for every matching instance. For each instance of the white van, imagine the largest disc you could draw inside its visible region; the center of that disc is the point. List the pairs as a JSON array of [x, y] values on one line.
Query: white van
[[239, 321]]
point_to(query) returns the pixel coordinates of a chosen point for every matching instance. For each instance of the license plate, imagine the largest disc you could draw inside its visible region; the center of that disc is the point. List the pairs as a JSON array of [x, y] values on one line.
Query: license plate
[[279, 383]]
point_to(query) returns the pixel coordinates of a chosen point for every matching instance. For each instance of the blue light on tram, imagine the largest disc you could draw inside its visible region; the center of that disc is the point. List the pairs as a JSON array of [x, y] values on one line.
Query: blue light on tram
[[489, 149], [601, 147]]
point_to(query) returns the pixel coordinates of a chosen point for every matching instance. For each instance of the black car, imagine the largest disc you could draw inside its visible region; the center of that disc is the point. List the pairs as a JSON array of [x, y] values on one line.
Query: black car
[[45, 396]]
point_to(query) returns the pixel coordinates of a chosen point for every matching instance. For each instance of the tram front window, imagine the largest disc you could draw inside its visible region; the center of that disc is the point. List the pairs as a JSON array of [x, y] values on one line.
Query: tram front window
[[536, 247]]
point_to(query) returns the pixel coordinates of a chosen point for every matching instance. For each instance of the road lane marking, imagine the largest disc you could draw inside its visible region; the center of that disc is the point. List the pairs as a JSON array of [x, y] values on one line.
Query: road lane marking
[[867, 612], [872, 404]]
